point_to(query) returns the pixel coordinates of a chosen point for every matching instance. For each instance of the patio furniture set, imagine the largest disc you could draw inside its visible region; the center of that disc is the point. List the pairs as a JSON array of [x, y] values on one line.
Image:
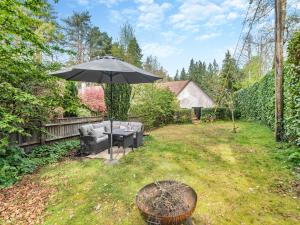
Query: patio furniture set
[[95, 138]]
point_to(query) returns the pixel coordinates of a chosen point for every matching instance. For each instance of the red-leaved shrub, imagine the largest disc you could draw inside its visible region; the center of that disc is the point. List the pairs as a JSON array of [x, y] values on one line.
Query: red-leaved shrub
[[93, 98]]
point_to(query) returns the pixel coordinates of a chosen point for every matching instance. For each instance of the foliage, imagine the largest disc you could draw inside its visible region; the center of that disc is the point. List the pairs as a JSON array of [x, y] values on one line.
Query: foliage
[[71, 102], [99, 43], [292, 91], [153, 105], [14, 162], [152, 65], [46, 154], [230, 73], [77, 28], [128, 50], [28, 94], [219, 113], [257, 102], [252, 70], [119, 106], [93, 98], [183, 116], [18, 111], [294, 50]]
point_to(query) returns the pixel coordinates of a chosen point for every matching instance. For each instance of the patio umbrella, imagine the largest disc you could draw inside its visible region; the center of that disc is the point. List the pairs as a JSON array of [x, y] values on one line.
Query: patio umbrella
[[109, 70]]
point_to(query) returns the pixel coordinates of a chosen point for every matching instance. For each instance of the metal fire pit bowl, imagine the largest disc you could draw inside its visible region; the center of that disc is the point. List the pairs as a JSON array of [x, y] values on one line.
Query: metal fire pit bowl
[[190, 197]]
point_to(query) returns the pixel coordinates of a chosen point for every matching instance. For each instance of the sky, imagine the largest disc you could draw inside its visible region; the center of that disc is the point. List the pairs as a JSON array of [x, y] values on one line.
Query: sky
[[174, 31]]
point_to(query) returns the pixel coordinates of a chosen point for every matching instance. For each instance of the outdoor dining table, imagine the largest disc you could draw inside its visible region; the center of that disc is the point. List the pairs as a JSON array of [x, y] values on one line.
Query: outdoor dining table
[[122, 137]]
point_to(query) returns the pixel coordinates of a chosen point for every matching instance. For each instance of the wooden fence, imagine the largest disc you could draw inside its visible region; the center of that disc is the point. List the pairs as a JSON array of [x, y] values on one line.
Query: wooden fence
[[58, 129]]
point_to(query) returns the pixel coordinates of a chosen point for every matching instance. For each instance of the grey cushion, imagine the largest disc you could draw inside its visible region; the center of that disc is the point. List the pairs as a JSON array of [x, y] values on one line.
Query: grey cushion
[[84, 130], [100, 139], [98, 125], [97, 132]]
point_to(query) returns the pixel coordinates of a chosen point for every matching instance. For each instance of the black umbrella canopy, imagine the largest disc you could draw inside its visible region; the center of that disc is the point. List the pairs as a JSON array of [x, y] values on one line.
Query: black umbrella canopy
[[107, 69]]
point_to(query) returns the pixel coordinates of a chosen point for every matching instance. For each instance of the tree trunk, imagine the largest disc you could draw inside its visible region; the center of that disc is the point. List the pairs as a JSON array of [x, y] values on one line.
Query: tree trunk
[[279, 27]]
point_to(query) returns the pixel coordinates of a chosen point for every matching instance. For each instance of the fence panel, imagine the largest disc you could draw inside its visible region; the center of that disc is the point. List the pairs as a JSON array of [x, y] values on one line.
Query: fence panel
[[58, 129]]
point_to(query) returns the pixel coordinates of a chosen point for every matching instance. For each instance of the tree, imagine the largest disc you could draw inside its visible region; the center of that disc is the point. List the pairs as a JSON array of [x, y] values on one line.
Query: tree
[[99, 43], [176, 77], [280, 7], [152, 65], [28, 94], [127, 49], [134, 53], [183, 75], [77, 29], [230, 75]]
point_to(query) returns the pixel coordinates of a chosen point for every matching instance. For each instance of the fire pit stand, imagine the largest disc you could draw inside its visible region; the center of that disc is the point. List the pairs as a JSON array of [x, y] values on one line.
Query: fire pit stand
[[167, 203], [155, 221]]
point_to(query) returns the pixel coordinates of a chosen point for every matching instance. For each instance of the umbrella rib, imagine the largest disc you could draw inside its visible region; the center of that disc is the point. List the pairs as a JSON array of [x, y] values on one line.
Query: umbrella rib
[[76, 74]]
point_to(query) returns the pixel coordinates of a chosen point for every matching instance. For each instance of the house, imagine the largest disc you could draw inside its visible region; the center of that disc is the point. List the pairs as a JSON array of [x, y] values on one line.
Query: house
[[189, 95]]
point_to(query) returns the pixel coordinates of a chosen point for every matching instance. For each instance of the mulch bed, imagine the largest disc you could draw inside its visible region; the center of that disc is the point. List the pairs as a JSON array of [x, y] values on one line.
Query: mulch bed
[[24, 202]]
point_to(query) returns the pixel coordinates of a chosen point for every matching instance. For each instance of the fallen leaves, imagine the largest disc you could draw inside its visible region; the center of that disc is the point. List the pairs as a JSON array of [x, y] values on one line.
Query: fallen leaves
[[24, 202]]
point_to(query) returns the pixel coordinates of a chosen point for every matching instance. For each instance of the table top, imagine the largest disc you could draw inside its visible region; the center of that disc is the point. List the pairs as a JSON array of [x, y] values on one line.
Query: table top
[[120, 132]]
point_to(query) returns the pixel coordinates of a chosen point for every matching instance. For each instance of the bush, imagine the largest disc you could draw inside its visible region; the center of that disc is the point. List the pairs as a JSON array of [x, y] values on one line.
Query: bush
[[14, 162], [183, 116], [153, 105], [210, 114]]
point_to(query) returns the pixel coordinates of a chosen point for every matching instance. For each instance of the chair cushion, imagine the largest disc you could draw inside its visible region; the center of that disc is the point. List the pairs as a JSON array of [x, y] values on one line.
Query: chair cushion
[[84, 130], [97, 132], [98, 125], [101, 139]]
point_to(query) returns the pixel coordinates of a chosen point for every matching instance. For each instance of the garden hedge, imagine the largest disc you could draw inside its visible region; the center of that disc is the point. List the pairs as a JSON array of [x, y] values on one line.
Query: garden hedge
[[220, 113], [183, 116], [257, 102]]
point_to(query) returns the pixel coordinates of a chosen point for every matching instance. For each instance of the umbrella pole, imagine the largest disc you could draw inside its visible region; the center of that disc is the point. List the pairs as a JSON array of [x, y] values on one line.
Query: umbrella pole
[[111, 122]]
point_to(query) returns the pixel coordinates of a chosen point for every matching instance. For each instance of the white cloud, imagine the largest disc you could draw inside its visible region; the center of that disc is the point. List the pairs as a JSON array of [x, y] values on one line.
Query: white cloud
[[120, 16], [192, 14], [160, 50], [109, 3], [151, 14], [232, 15], [207, 36], [83, 2], [172, 37], [239, 4]]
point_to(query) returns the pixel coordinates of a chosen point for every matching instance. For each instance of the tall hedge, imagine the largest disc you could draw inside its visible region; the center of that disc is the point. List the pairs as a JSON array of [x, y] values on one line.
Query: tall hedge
[[257, 102]]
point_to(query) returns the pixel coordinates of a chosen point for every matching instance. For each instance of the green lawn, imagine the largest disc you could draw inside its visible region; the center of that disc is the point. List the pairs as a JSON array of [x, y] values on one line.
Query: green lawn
[[238, 178]]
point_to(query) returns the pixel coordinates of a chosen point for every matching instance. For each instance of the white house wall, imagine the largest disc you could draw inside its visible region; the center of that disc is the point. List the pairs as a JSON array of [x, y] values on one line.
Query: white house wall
[[192, 96]]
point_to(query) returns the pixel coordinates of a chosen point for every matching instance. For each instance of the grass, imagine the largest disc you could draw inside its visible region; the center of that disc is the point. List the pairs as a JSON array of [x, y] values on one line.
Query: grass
[[239, 178]]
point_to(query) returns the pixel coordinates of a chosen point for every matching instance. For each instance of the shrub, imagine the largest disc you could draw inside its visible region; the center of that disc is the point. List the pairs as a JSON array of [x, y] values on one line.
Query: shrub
[[183, 116], [14, 162], [153, 105], [221, 113], [93, 98]]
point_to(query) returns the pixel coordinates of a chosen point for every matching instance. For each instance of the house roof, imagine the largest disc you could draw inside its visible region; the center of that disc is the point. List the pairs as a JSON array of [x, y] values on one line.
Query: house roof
[[175, 86]]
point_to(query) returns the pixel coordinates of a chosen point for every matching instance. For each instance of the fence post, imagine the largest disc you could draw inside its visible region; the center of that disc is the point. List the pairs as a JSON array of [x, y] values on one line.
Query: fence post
[[42, 134]]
